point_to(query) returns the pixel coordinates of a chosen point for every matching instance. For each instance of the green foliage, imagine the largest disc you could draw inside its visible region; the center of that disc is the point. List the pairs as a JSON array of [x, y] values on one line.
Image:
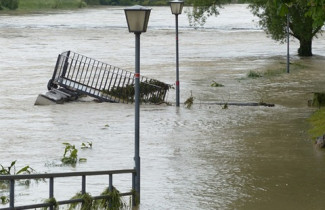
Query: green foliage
[[87, 145], [87, 202], [92, 2], [189, 102], [202, 9], [273, 19], [53, 202], [11, 170], [306, 18], [50, 4], [152, 91], [112, 202], [317, 120], [9, 4], [254, 74], [225, 106], [4, 199], [318, 100], [274, 72], [317, 12], [70, 155], [215, 84]]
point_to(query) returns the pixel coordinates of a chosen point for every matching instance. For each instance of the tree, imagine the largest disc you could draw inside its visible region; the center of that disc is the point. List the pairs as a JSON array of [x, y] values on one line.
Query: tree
[[9, 4], [302, 26], [306, 18], [317, 11]]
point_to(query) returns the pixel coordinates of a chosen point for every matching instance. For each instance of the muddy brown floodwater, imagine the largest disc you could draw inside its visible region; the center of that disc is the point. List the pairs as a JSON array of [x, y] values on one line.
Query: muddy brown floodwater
[[205, 157]]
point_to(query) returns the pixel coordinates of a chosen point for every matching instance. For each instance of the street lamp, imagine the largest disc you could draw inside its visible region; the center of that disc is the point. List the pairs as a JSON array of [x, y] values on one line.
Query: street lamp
[[137, 18], [288, 51], [176, 7]]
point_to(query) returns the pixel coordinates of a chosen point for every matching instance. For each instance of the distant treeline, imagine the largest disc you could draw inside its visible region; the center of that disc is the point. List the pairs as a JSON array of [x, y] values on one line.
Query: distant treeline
[[62, 4], [127, 2]]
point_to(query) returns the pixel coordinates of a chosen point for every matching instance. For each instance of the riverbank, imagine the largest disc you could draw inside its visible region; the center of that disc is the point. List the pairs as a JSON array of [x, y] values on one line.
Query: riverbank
[[35, 5], [317, 121]]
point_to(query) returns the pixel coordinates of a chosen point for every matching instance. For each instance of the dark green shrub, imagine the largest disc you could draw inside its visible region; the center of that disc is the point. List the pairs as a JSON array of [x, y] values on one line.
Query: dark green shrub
[[9, 4], [92, 2]]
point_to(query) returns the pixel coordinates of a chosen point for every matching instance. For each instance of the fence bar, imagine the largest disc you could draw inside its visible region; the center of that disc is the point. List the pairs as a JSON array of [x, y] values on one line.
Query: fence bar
[[12, 193], [133, 193], [83, 188], [51, 176], [51, 190], [110, 182]]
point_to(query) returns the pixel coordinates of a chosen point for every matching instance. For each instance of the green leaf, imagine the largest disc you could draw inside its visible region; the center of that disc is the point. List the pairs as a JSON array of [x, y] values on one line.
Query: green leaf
[[283, 10], [25, 169], [82, 159]]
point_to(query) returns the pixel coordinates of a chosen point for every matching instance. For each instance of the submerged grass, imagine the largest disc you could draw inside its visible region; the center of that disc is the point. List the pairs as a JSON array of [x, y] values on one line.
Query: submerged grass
[[276, 71], [317, 120]]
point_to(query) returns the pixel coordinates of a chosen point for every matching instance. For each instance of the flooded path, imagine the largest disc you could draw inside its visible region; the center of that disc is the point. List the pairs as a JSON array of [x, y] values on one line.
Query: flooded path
[[205, 157]]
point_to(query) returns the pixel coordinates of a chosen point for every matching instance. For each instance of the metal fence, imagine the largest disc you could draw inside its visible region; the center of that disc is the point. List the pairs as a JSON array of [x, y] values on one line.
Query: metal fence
[[51, 177], [103, 81]]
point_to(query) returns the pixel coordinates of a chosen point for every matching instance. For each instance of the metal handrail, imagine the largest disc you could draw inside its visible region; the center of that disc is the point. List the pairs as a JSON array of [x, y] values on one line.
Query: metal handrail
[[51, 176], [100, 80]]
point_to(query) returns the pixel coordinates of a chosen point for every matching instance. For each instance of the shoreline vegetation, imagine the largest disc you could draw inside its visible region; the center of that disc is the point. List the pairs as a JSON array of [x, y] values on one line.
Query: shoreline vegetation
[[34, 5]]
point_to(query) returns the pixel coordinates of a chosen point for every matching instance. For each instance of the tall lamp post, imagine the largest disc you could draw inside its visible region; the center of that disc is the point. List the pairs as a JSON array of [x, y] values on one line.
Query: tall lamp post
[[137, 18], [288, 39], [176, 7]]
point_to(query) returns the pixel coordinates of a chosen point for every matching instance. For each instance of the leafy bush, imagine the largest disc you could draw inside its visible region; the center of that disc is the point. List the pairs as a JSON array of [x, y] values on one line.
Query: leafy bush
[[4, 199], [9, 4], [92, 2]]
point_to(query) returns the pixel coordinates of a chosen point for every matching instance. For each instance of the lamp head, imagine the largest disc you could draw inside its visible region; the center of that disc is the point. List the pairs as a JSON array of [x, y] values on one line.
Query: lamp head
[[137, 18], [176, 6]]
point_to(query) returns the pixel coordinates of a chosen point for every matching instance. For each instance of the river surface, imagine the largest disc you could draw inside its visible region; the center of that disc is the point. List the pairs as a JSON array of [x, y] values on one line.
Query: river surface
[[205, 157]]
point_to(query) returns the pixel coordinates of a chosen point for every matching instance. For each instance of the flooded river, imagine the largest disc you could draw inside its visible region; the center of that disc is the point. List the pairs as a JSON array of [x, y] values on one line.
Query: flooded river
[[204, 157]]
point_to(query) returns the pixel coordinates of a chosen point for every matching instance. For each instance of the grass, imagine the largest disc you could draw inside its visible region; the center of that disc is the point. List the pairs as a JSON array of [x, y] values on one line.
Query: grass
[[317, 120], [254, 74], [276, 71]]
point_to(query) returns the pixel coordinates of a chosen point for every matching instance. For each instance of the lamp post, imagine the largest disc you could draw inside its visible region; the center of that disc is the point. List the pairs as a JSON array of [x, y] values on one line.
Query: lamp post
[[288, 51], [176, 7], [137, 18]]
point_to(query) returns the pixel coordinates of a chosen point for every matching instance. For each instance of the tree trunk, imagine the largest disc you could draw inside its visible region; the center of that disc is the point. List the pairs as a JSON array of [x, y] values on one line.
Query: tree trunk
[[305, 48]]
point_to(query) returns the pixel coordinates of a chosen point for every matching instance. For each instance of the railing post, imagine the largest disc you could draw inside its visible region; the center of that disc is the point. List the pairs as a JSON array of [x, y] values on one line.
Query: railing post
[[110, 186], [134, 203], [51, 190], [66, 64], [83, 187], [12, 193]]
